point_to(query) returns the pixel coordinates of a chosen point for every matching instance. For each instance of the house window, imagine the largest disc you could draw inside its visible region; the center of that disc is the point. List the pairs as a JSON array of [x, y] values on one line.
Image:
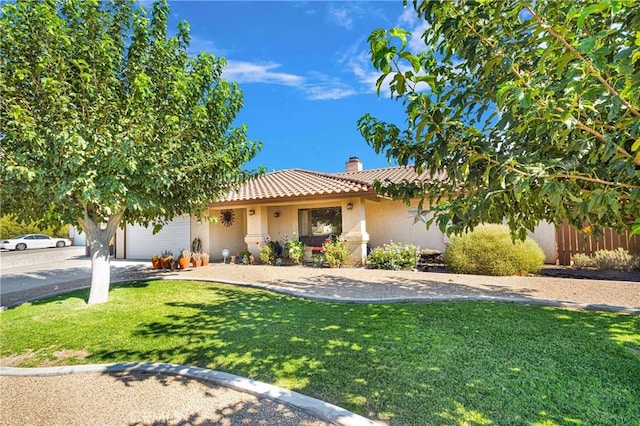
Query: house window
[[315, 225]]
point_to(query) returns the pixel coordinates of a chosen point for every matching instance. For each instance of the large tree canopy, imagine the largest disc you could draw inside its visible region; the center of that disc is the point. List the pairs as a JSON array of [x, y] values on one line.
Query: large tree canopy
[[531, 109], [106, 120]]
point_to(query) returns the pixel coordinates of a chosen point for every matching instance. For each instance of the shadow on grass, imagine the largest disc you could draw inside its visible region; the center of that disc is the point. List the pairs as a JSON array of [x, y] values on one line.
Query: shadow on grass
[[408, 363], [83, 294]]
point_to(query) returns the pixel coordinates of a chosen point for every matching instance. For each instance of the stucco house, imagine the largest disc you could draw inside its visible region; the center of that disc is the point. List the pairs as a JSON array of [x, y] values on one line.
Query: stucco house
[[309, 205]]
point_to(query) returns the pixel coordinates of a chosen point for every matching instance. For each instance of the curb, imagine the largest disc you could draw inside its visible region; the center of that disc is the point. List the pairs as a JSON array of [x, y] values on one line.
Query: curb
[[320, 409]]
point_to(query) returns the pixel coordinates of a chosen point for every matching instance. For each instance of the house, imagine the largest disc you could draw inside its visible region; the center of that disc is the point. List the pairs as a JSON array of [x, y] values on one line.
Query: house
[[308, 205]]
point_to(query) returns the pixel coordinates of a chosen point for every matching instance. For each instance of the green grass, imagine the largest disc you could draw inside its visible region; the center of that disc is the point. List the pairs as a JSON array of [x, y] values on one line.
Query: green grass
[[473, 363]]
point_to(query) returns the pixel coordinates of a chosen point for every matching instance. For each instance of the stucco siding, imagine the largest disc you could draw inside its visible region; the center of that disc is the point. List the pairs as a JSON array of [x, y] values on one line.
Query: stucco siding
[[393, 221], [226, 237]]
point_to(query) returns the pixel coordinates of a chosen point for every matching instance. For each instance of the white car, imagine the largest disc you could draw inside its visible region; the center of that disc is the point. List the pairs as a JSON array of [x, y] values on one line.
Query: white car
[[31, 241]]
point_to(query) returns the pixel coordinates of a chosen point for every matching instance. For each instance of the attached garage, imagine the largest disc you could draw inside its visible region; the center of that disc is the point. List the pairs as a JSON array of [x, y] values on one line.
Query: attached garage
[[141, 243]]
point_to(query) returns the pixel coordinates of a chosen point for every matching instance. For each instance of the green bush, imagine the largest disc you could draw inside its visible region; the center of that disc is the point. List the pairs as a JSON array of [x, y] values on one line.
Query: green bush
[[10, 227], [271, 251], [335, 252], [489, 250], [295, 250], [612, 259], [394, 256], [581, 261], [604, 260]]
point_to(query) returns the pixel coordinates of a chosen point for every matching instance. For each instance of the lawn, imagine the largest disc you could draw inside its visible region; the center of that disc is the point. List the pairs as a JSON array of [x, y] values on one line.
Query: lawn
[[475, 363]]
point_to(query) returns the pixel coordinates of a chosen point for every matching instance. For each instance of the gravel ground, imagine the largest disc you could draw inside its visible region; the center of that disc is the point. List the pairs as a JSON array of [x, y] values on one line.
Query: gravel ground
[[164, 400], [359, 284], [136, 399]]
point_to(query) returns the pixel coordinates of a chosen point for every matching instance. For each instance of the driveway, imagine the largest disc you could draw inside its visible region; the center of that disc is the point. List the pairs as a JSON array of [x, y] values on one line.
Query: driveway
[[31, 274]]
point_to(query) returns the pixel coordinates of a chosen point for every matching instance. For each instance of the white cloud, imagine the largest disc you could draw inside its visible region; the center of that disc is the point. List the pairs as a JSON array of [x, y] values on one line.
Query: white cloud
[[341, 16], [328, 93], [314, 86], [247, 72]]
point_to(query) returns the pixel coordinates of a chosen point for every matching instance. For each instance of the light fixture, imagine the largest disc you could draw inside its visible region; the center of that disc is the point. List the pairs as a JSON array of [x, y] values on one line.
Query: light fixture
[[251, 212], [349, 206], [276, 214]]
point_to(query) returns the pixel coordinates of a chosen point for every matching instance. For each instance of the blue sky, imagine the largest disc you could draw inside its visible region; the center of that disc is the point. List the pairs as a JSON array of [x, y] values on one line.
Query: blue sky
[[305, 72]]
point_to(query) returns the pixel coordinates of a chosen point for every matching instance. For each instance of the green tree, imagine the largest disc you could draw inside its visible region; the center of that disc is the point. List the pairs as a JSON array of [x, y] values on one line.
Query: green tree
[[106, 120], [523, 110]]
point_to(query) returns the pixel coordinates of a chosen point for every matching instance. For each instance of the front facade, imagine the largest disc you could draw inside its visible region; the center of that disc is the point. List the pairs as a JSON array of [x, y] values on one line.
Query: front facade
[[310, 206]]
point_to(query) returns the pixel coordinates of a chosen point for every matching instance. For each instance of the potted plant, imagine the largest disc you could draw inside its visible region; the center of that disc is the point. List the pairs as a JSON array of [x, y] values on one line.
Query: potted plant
[[166, 259], [245, 257], [184, 259], [156, 262], [205, 258], [196, 259]]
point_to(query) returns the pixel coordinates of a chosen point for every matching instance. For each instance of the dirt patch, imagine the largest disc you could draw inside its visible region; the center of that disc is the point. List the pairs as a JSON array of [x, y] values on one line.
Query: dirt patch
[[16, 360], [67, 356], [31, 358]]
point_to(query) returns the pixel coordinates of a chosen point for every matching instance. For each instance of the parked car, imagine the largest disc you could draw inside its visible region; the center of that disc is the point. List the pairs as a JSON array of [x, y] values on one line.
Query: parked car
[[32, 241]]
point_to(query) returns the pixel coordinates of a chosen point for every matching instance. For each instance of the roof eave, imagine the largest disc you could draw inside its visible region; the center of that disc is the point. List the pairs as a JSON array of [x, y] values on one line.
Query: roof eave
[[294, 199]]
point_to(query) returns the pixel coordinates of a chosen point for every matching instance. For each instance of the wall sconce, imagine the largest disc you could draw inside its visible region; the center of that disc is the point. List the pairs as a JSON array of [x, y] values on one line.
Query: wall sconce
[[349, 206], [276, 214], [251, 212]]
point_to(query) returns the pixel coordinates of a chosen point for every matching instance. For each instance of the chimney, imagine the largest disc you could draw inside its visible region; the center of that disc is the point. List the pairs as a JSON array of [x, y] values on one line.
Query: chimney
[[354, 165]]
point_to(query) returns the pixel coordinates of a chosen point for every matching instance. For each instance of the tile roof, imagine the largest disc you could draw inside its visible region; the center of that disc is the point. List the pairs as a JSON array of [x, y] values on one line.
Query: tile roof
[[393, 174], [298, 183]]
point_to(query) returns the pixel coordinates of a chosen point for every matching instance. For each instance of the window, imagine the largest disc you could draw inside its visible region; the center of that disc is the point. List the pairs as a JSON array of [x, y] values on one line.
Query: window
[[315, 225]]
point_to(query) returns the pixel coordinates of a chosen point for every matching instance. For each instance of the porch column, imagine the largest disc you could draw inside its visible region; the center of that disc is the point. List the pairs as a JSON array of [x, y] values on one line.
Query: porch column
[[257, 229], [355, 230]]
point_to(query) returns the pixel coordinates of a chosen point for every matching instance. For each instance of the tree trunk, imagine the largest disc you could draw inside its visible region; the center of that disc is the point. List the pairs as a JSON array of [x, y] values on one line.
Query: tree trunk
[[98, 237], [100, 267]]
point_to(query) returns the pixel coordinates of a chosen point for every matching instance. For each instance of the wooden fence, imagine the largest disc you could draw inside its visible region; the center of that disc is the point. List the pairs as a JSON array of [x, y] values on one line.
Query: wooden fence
[[570, 241]]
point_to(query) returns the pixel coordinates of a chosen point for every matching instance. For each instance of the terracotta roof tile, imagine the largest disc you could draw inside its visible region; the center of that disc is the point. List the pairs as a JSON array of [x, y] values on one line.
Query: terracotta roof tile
[[294, 183], [394, 174]]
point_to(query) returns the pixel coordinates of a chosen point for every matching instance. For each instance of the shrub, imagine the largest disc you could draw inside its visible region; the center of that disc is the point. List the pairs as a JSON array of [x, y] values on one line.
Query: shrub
[[295, 248], [394, 256], [245, 257], [10, 227], [335, 252], [270, 251], [581, 261], [489, 250], [612, 259]]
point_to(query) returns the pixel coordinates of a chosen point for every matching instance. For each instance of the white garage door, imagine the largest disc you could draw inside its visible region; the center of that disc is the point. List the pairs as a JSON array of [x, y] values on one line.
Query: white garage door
[[175, 235]]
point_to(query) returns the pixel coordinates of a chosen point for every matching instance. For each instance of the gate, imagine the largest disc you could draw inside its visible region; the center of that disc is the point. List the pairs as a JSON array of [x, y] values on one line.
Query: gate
[[570, 241]]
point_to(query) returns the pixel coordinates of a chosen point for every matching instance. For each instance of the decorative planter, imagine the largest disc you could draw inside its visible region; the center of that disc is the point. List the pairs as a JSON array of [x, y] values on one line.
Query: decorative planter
[[166, 262], [183, 262], [205, 262], [196, 263], [156, 262]]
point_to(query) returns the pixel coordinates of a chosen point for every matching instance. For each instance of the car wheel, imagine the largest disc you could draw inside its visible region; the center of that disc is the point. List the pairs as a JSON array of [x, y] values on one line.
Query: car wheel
[[60, 244], [21, 246]]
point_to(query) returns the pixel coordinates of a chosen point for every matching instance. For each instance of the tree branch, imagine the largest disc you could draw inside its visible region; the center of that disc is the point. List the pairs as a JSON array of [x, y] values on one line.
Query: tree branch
[[578, 55]]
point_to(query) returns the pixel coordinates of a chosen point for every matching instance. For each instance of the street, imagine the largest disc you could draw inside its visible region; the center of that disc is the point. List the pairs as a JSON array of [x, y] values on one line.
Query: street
[[48, 271]]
